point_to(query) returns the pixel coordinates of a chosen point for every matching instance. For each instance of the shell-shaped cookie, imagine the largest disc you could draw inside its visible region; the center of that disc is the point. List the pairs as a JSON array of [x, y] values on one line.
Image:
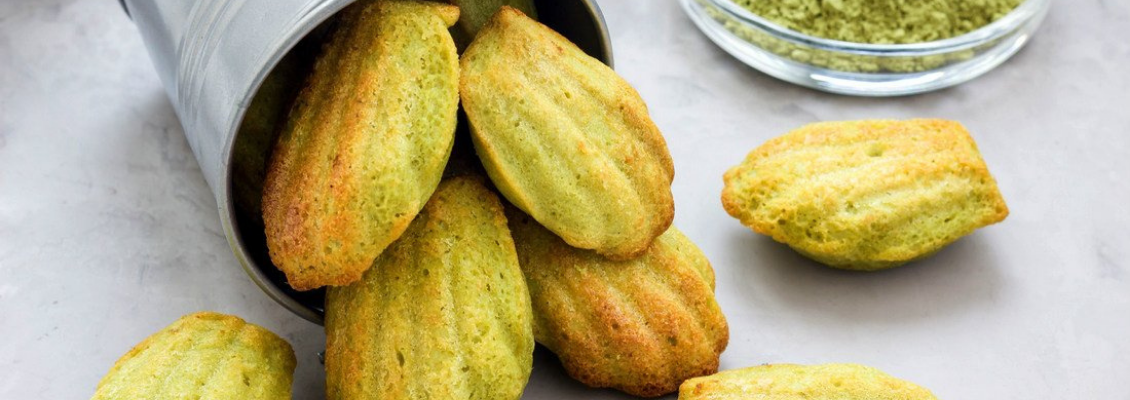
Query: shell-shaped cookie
[[365, 143], [641, 326], [866, 195], [443, 314], [815, 382], [204, 355], [566, 139]]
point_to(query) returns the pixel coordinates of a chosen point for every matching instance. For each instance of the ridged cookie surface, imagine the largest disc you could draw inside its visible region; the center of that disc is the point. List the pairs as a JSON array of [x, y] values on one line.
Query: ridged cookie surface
[[800, 382], [443, 314], [365, 143], [566, 139], [866, 195], [203, 356], [641, 326]]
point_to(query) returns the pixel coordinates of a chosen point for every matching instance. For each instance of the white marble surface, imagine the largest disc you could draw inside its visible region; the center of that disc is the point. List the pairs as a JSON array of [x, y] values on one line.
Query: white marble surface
[[108, 232]]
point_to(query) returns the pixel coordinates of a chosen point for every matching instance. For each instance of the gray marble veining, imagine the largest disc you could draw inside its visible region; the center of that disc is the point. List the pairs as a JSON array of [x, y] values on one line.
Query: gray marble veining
[[108, 231]]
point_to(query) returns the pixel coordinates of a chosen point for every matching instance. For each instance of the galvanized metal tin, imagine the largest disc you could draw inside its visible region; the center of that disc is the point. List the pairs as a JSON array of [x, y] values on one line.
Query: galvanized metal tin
[[213, 55]]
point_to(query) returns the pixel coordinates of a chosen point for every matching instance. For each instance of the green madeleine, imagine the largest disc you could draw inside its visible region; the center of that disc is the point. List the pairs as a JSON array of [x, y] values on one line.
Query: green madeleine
[[641, 326], [866, 195], [204, 355], [444, 312], [365, 143], [566, 139]]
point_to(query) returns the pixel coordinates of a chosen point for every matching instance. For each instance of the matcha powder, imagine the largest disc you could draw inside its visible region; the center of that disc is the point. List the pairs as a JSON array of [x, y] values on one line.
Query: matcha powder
[[881, 21]]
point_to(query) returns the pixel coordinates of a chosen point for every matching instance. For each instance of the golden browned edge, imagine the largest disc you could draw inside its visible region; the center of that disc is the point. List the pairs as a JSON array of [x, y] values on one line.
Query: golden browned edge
[[735, 207], [275, 340], [272, 193], [660, 384], [658, 379], [654, 140]]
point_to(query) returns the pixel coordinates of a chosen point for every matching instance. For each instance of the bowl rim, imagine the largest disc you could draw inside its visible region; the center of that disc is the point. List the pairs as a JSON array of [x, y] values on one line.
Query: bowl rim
[[1018, 16]]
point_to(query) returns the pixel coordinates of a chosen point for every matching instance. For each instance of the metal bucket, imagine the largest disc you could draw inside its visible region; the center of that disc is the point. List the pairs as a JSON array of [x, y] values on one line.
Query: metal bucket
[[212, 57]]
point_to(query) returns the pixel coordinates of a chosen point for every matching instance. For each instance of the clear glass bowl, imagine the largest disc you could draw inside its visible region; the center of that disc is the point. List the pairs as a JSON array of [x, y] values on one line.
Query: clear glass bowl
[[864, 69]]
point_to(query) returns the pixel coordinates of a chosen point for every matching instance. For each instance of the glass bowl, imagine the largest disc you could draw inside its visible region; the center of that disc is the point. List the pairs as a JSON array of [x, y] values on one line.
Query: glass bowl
[[864, 69]]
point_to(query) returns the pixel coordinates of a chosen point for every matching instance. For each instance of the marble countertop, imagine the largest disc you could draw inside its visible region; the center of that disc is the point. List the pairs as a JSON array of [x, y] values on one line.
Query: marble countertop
[[108, 231]]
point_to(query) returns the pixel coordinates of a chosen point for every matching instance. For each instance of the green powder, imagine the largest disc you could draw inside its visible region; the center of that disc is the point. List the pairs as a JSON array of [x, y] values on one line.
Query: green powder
[[881, 21]]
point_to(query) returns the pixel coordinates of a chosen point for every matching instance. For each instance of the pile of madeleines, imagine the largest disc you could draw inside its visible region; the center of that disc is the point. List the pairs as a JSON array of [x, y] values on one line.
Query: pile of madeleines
[[438, 288]]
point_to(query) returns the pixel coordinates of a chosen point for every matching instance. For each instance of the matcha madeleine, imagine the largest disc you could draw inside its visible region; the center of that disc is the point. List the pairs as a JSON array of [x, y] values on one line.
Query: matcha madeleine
[[365, 143], [816, 382], [443, 314], [204, 355], [641, 326], [566, 139], [866, 195]]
